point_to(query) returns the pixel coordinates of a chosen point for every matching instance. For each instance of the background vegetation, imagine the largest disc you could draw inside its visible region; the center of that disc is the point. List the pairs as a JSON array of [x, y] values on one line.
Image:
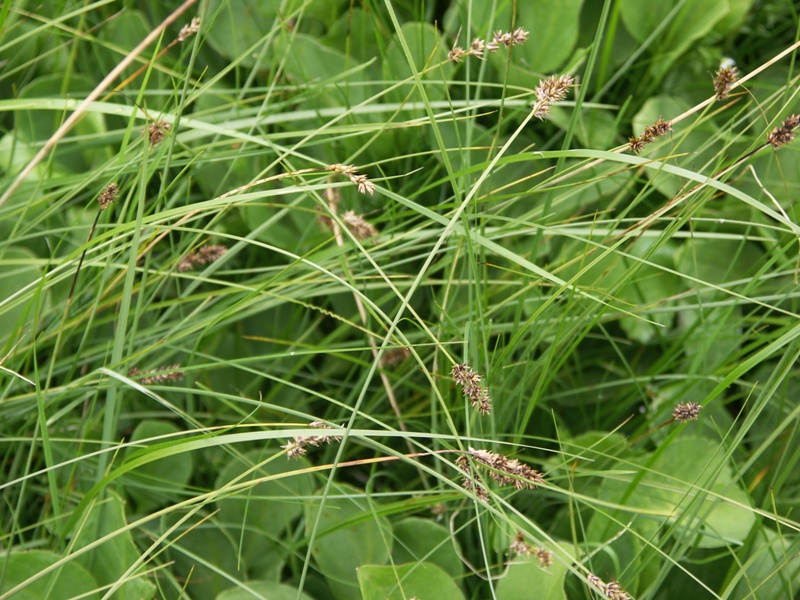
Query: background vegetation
[[236, 380]]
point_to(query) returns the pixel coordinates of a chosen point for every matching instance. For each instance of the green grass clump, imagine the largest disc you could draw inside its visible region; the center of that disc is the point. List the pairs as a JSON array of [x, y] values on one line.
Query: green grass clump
[[317, 299]]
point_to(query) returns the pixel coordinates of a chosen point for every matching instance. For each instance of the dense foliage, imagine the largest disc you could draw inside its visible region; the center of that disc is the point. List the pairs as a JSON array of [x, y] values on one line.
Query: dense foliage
[[468, 299]]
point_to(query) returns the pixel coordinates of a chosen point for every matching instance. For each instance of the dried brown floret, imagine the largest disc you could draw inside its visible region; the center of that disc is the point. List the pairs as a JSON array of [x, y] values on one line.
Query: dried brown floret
[[108, 195], [157, 131], [785, 133], [686, 411], [166, 374], [723, 81], [551, 89], [297, 447], [202, 256]]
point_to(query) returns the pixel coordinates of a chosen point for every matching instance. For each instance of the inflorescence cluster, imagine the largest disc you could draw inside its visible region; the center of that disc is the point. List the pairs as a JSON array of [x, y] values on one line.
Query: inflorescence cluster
[[470, 382], [297, 447], [165, 374], [478, 46], [504, 470], [204, 255]]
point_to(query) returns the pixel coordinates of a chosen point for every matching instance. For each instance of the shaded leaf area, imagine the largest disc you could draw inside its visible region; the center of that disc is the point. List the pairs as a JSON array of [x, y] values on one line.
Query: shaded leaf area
[[323, 207]]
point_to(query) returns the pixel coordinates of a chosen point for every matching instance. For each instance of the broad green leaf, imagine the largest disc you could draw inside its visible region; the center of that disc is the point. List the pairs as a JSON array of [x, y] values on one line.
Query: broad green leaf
[[650, 288], [267, 509], [241, 165], [109, 562], [526, 575], [688, 486], [205, 555], [39, 125], [125, 32], [595, 128], [552, 33], [309, 61], [348, 536], [429, 53], [69, 581], [772, 569], [162, 481], [263, 589], [238, 24], [638, 286], [597, 184], [737, 11], [415, 580], [18, 268], [422, 540], [716, 330], [355, 35], [689, 23]]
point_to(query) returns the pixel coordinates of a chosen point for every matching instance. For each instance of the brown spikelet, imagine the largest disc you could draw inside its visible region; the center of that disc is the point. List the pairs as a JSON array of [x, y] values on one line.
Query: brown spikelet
[[651, 132], [166, 374], [507, 471], [358, 226], [551, 89], [202, 256], [157, 131], [394, 356], [189, 30], [723, 81], [470, 382], [520, 546], [362, 182], [108, 195], [686, 411], [785, 133], [504, 470], [298, 446], [612, 590], [544, 556], [456, 54]]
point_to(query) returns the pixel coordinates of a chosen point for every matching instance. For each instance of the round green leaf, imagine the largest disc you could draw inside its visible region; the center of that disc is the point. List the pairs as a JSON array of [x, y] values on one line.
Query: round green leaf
[[109, 562], [422, 540], [526, 574], [69, 581], [38, 125], [263, 589], [17, 269], [690, 486], [266, 509], [429, 55], [415, 580], [348, 536], [162, 481], [238, 24], [680, 30], [552, 33]]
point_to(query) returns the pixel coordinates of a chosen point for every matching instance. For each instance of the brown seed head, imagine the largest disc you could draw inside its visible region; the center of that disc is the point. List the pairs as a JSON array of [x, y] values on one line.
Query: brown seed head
[[456, 54], [504, 39], [519, 36], [343, 169], [544, 556], [785, 133], [520, 546], [723, 81], [358, 226], [157, 131], [108, 195], [189, 30], [686, 411], [166, 374]]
